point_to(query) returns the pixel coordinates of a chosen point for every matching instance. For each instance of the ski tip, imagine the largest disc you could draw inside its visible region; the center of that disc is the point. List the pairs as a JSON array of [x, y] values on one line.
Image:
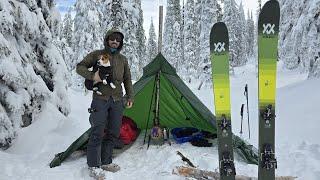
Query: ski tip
[[218, 25], [271, 8], [269, 15], [218, 37], [271, 5]]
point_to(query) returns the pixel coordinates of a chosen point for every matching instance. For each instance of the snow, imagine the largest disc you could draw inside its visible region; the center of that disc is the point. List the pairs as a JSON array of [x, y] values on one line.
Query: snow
[[297, 142]]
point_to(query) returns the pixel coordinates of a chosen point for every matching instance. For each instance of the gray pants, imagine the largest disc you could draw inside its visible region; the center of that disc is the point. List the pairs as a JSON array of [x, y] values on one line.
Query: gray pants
[[105, 130]]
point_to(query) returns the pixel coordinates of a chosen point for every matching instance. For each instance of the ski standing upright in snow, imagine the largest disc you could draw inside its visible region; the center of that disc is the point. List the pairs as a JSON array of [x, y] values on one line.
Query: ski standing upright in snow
[[268, 30], [219, 55]]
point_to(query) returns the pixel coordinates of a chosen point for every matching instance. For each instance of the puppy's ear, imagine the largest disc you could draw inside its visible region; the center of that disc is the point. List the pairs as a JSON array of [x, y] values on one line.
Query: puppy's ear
[[107, 59], [107, 56]]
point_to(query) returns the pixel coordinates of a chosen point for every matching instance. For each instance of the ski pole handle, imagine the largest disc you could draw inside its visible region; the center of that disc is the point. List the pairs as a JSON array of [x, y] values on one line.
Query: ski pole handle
[[241, 112], [246, 90]]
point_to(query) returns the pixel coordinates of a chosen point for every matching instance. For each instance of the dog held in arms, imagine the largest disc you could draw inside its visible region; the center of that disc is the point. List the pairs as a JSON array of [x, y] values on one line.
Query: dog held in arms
[[105, 73]]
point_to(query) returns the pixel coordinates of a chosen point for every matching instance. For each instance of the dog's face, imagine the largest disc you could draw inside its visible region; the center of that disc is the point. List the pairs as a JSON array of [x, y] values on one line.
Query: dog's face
[[104, 59]]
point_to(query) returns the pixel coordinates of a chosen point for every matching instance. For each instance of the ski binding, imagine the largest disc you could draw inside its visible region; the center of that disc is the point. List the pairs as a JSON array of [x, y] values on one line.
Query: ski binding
[[227, 165], [268, 158]]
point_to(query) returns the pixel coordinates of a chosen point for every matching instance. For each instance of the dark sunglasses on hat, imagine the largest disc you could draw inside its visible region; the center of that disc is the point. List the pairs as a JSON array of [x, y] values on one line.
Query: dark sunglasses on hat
[[115, 36]]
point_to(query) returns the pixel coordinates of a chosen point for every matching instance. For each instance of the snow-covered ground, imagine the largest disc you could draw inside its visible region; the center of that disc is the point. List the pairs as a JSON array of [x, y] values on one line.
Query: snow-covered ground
[[297, 143]]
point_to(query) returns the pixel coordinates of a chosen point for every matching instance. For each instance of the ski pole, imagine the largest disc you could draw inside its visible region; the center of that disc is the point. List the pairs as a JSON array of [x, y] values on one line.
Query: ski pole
[[247, 97], [241, 113], [149, 141]]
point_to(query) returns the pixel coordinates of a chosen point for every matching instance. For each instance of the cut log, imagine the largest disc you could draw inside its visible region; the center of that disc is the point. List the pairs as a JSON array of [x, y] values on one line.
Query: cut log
[[214, 175]]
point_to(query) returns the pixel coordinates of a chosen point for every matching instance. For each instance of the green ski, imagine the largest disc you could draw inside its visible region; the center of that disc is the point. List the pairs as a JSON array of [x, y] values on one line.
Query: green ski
[[219, 55], [268, 29]]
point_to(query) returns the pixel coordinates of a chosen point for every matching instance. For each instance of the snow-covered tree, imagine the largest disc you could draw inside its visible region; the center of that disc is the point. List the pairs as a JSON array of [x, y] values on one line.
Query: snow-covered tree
[[197, 32], [250, 35], [172, 44], [65, 41], [208, 18], [242, 37], [299, 35], [183, 19], [230, 17], [67, 54], [314, 52], [67, 28], [87, 29], [233, 17], [52, 17], [32, 71], [141, 38], [152, 49], [117, 14], [130, 27], [190, 52], [206, 14], [106, 20]]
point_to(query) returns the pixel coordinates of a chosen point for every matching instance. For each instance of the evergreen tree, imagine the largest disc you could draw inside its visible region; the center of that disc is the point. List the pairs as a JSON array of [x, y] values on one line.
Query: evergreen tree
[[152, 48], [33, 74], [140, 34], [197, 32], [172, 47], [208, 18], [236, 31], [250, 35], [230, 18], [67, 54], [88, 35], [67, 30], [190, 50], [53, 19], [117, 13], [242, 37], [130, 27], [299, 40], [183, 19], [255, 48], [106, 20], [65, 41], [313, 52]]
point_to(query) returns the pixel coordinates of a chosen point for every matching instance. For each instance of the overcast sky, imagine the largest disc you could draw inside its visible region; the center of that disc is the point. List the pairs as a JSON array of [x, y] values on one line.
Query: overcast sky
[[151, 10]]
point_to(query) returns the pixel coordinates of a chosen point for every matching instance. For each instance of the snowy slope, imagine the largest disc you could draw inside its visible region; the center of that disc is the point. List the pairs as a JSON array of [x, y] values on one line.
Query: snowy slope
[[297, 148]]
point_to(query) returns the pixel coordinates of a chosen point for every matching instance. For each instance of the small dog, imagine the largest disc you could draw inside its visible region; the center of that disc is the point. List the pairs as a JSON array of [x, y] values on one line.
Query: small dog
[[105, 73]]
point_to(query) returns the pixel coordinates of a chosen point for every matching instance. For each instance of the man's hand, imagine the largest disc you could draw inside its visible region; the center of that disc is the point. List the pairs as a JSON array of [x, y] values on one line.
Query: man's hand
[[129, 104], [96, 77]]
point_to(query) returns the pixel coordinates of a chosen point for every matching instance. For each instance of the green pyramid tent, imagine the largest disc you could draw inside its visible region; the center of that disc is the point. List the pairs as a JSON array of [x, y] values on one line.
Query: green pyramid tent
[[178, 107]]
